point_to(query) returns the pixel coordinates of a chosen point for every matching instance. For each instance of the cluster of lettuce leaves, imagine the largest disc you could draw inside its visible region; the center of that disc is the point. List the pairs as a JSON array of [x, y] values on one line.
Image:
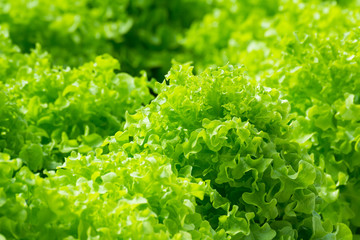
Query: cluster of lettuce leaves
[[49, 111], [309, 51], [257, 138], [141, 34]]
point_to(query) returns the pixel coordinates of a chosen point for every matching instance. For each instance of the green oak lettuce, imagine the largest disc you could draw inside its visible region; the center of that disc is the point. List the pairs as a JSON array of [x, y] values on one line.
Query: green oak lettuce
[[101, 197], [57, 110], [140, 34], [265, 147], [258, 34], [195, 163], [308, 51]]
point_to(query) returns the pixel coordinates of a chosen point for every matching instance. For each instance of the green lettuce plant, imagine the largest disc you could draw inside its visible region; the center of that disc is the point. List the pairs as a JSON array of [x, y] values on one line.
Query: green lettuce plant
[[63, 109], [140, 34], [265, 147], [308, 50], [210, 157]]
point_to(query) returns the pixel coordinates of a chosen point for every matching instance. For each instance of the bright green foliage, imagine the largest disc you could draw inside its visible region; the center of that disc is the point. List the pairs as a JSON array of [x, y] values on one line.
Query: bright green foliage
[[257, 35], [309, 51], [228, 129], [324, 88], [265, 147], [52, 111], [209, 158], [101, 197], [141, 34], [12, 124], [225, 128]]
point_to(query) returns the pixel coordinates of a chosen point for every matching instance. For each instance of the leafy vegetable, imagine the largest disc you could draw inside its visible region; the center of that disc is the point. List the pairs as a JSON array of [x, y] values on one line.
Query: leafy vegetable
[[309, 52], [62, 109], [141, 34], [257, 138], [220, 171]]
